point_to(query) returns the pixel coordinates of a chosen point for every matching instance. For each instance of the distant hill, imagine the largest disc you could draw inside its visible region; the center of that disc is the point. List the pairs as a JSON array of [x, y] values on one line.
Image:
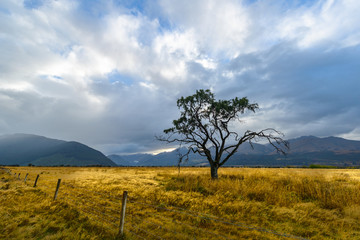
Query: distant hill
[[331, 144], [304, 151], [25, 149]]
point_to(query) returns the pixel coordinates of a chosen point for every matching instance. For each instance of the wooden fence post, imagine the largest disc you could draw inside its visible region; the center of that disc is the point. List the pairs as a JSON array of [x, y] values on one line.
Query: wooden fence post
[[19, 176], [26, 177], [57, 189], [122, 214], [37, 177]]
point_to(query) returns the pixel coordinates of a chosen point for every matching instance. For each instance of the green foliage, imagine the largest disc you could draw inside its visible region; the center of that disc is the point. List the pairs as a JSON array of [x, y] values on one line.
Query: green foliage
[[203, 127], [321, 166], [202, 106]]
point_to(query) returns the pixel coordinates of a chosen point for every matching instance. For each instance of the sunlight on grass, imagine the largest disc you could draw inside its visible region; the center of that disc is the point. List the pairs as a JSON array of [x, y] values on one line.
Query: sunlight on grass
[[259, 203]]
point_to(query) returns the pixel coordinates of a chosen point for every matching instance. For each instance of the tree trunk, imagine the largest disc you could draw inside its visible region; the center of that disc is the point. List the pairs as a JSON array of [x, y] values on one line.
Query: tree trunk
[[214, 171]]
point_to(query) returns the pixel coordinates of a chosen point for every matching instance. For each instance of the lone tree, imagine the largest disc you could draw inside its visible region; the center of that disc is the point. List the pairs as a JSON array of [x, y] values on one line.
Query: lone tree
[[204, 128]]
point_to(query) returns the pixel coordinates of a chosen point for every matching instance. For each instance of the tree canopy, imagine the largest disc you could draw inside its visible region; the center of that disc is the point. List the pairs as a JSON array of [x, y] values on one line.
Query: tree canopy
[[204, 128]]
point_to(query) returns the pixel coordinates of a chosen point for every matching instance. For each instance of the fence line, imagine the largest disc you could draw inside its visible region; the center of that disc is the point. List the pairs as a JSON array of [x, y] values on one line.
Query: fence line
[[189, 226], [131, 232], [149, 233], [242, 225], [221, 220], [81, 199], [155, 224], [74, 204], [98, 193], [61, 193]]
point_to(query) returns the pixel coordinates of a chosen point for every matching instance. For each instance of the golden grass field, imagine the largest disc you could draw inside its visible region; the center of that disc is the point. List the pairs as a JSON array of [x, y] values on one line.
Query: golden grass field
[[244, 203]]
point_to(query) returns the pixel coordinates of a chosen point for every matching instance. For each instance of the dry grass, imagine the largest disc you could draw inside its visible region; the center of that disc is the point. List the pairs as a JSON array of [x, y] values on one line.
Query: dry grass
[[310, 203]]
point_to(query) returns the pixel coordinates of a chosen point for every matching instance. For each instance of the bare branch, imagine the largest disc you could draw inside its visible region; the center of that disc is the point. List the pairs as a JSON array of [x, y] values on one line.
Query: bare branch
[[203, 127]]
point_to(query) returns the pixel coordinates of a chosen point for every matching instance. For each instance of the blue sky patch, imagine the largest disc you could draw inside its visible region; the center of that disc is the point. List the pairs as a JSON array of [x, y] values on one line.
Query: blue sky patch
[[115, 76], [135, 6], [4, 10], [51, 76], [31, 4]]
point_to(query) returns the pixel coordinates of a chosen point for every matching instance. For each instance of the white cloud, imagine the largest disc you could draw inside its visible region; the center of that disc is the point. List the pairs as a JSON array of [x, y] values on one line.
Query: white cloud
[[56, 61], [334, 23], [354, 134], [221, 27]]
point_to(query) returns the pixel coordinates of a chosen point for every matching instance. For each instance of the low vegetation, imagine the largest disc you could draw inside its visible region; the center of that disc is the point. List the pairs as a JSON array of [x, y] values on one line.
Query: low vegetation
[[166, 204]]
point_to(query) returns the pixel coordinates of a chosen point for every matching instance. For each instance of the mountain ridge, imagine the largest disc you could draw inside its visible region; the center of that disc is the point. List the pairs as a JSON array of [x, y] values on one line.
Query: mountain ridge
[[304, 151], [333, 144], [28, 149]]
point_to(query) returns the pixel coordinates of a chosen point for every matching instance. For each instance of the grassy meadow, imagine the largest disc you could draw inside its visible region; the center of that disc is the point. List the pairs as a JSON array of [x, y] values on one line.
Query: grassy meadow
[[163, 203]]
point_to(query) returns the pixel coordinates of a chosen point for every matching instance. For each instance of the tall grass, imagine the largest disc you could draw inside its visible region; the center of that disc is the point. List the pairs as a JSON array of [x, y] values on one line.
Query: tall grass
[[311, 203], [285, 190], [28, 213]]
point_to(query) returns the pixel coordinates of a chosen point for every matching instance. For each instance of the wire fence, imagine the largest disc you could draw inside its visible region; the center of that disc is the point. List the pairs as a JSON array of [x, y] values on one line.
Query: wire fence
[[143, 219]]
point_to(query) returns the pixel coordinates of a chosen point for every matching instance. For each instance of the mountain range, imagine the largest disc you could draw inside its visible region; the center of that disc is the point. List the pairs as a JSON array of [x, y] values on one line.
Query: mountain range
[[26, 149], [304, 151]]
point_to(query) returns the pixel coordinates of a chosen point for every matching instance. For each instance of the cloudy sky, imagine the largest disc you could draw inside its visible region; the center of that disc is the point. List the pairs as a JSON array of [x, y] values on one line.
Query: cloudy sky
[[108, 73]]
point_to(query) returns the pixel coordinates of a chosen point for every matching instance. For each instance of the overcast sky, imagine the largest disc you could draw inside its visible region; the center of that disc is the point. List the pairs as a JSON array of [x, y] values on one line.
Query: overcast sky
[[108, 73]]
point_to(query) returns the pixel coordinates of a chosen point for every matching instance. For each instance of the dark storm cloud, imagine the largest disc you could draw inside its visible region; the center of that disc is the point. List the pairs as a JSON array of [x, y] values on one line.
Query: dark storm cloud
[[309, 87]]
